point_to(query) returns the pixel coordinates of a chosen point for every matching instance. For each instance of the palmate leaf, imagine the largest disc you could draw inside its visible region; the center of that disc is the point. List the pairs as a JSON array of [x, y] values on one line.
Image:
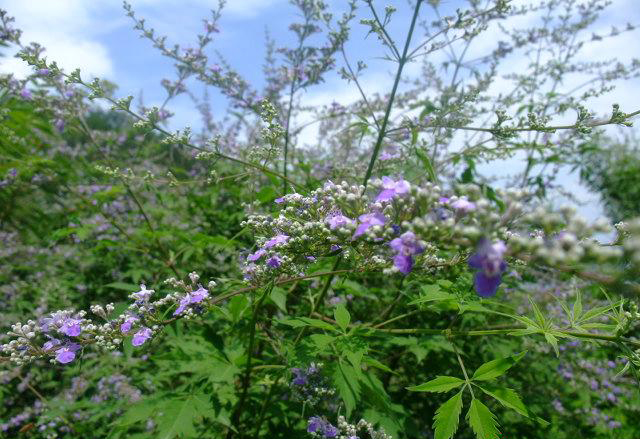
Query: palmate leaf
[[439, 384], [495, 368], [447, 417], [482, 421]]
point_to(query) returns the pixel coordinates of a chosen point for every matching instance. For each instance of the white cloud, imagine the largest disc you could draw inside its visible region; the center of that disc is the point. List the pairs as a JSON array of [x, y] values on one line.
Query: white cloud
[[68, 29]]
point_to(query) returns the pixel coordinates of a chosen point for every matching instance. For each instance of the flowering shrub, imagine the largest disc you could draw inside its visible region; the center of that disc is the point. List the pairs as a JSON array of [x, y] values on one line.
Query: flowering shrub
[[338, 291]]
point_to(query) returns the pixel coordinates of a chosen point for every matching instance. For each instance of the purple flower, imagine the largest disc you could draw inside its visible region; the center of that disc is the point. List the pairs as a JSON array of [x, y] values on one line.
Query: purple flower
[[51, 344], [276, 240], [367, 220], [127, 324], [184, 302], [143, 294], [199, 295], [316, 425], [43, 72], [337, 220], [489, 261], [59, 124], [257, 255], [463, 205], [300, 377], [71, 327], [392, 188], [279, 200], [406, 246], [26, 94], [67, 353], [335, 248], [140, 337], [274, 261], [311, 258]]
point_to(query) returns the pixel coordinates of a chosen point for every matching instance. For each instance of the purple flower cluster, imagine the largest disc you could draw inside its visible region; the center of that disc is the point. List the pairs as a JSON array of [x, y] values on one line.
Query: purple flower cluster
[[309, 385], [191, 298], [320, 427]]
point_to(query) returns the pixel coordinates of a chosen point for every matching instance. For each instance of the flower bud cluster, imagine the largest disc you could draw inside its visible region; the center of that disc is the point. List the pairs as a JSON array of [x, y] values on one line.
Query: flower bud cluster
[[320, 427], [310, 386], [400, 227], [62, 335]]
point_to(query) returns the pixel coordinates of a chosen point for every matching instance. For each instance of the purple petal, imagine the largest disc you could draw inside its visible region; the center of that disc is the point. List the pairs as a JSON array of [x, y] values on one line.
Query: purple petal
[[486, 285], [404, 263], [386, 195], [65, 355]]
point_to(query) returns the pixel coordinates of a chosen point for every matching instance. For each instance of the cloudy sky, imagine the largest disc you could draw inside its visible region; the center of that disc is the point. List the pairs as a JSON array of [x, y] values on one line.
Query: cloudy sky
[[96, 36]]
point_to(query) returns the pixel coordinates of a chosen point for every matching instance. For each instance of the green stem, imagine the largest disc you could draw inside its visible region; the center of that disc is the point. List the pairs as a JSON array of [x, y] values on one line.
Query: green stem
[[246, 380], [383, 126]]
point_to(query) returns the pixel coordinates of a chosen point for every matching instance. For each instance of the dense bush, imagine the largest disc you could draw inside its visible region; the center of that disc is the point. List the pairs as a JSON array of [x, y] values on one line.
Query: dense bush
[[233, 283]]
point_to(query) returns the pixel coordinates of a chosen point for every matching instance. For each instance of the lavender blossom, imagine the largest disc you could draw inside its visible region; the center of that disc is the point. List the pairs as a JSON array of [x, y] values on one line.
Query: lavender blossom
[[489, 261], [392, 188], [141, 336], [406, 246], [276, 240], [67, 353], [337, 220], [368, 220]]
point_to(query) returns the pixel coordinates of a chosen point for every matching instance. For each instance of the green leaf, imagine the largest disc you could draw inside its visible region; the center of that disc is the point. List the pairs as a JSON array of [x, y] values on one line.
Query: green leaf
[[320, 324], [266, 194], [180, 415], [553, 341], [439, 384], [577, 307], [482, 421], [428, 166], [539, 316], [279, 297], [321, 340], [495, 368], [510, 399], [375, 363], [237, 306], [445, 422], [347, 384], [342, 317], [432, 293]]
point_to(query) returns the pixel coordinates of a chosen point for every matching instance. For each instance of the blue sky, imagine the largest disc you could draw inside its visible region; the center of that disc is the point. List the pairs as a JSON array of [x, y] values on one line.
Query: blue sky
[[96, 36]]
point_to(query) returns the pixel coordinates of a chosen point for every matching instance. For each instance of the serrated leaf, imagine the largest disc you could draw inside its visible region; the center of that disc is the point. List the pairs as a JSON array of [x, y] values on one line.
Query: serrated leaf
[[445, 422], [438, 384], [342, 316], [494, 368], [510, 399], [432, 293], [539, 316], [482, 421], [375, 363], [595, 312], [577, 307], [320, 324], [346, 382], [553, 341], [321, 340]]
